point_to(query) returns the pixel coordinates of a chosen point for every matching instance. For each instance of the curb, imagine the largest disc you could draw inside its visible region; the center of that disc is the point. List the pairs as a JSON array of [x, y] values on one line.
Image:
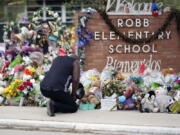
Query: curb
[[85, 127]]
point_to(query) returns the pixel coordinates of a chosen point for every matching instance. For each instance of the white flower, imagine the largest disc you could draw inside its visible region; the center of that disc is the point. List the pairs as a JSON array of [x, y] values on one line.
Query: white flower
[[11, 23], [5, 33], [91, 10], [25, 91], [26, 77], [38, 36], [27, 60], [41, 77], [83, 10], [32, 81], [35, 19], [59, 19], [35, 13], [50, 12], [56, 15]]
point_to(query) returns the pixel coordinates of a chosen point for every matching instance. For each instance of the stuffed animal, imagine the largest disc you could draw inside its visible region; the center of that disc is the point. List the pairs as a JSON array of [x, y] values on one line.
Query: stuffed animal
[[95, 89], [154, 8], [131, 90], [167, 10], [163, 99], [168, 71], [91, 98], [127, 101], [163, 102], [149, 103], [128, 92], [120, 76], [128, 104], [161, 91], [93, 95]]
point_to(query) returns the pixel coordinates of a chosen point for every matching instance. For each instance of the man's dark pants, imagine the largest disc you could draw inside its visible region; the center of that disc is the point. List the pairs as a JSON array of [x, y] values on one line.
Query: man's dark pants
[[63, 102]]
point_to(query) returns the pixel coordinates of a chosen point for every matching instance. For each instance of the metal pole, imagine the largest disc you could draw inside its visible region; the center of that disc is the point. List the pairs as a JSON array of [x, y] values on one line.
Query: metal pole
[[6, 17], [63, 13], [25, 8], [44, 11]]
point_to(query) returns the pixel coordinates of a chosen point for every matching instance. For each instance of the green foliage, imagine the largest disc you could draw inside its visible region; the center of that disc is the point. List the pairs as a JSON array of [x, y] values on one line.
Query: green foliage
[[96, 4], [113, 86]]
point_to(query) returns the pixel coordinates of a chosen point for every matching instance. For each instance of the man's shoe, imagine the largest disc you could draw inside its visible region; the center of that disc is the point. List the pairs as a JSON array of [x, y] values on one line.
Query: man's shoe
[[50, 108]]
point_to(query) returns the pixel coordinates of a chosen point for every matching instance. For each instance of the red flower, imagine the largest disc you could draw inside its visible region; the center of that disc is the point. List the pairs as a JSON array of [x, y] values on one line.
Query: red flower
[[27, 83], [155, 14], [27, 72], [21, 87]]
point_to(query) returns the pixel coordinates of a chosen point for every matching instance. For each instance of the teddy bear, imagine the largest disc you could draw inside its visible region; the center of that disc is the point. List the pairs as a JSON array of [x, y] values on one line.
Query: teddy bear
[[163, 99], [129, 100], [93, 95], [91, 98], [127, 104], [149, 103], [131, 90], [168, 71], [161, 91], [95, 89]]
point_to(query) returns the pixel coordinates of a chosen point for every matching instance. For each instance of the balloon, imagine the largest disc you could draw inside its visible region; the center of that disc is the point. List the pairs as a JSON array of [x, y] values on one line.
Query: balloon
[[122, 99], [53, 38], [134, 96], [154, 7]]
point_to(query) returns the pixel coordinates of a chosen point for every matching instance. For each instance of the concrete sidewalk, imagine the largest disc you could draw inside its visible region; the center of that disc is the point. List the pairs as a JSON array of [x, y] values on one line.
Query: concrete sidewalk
[[90, 121]]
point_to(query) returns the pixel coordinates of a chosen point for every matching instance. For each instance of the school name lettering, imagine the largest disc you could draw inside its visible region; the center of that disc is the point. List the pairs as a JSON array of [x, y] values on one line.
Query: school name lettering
[[132, 66], [130, 34], [125, 48], [132, 49], [136, 28]]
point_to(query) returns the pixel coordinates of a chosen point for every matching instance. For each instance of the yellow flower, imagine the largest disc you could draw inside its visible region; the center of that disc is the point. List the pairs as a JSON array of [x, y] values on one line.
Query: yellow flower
[[12, 89], [32, 69], [93, 78]]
